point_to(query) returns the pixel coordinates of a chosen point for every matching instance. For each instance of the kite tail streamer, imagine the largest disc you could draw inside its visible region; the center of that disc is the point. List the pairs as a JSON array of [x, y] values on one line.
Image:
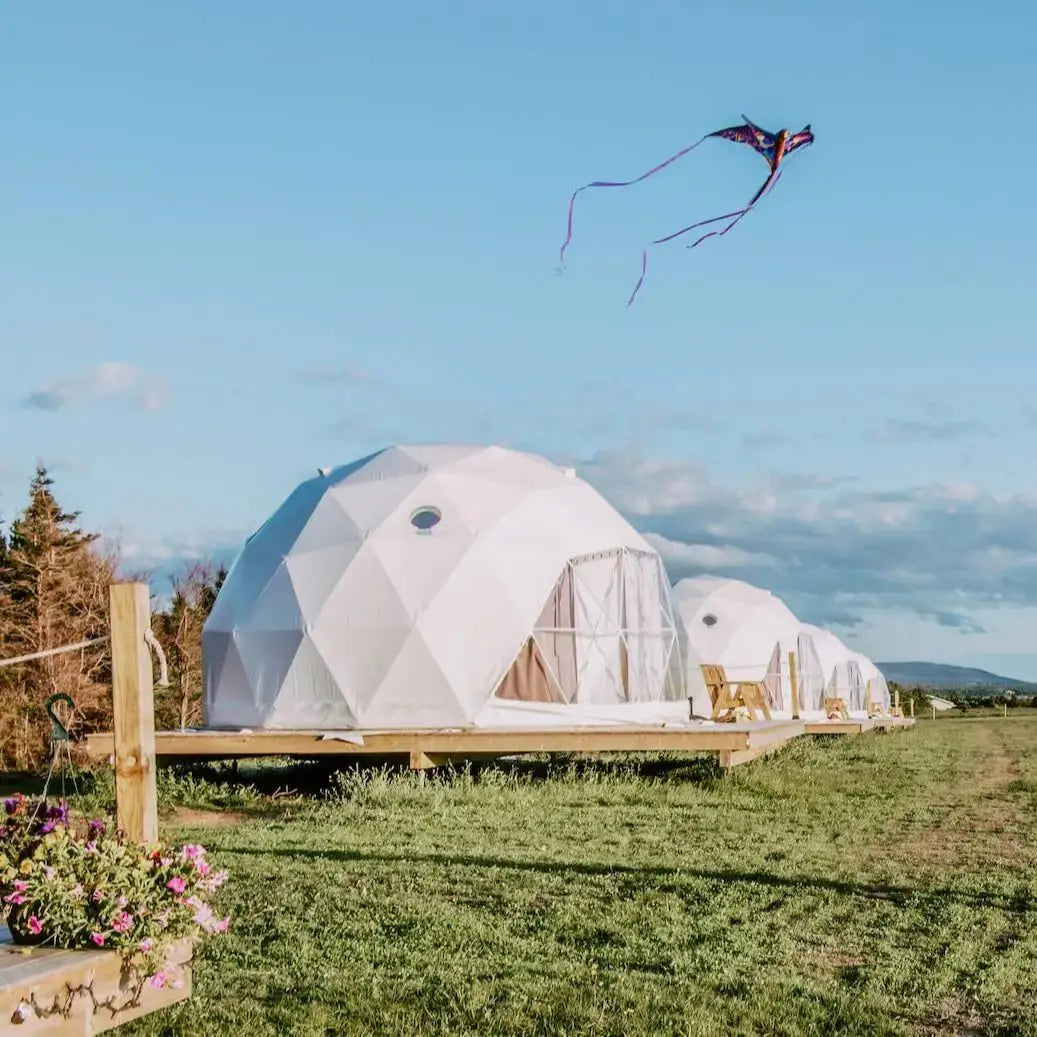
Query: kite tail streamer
[[738, 214], [764, 190], [640, 280], [619, 183]]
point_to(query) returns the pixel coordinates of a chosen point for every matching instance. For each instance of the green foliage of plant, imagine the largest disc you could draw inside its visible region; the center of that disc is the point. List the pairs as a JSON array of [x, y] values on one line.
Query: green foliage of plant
[[73, 884]]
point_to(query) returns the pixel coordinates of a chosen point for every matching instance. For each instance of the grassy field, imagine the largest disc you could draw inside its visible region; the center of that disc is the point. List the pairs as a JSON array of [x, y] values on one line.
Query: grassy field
[[880, 884]]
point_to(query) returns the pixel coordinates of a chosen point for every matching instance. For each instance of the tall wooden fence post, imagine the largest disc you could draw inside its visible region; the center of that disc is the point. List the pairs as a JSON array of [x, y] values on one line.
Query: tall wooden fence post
[[133, 722]]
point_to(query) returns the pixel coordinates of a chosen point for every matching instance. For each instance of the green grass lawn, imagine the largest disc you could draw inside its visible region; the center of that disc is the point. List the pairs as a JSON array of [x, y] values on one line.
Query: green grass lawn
[[878, 884]]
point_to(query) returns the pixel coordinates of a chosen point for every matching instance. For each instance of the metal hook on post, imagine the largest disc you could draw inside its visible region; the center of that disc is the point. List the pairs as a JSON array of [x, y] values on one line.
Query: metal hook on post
[[163, 670], [60, 745]]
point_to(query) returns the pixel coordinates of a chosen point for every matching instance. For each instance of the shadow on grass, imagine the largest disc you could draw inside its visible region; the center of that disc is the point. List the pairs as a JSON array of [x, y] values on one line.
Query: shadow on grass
[[316, 777], [1019, 904], [80, 782]]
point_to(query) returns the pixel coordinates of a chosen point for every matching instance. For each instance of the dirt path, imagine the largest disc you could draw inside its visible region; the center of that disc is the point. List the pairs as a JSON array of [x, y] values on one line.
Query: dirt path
[[979, 814]]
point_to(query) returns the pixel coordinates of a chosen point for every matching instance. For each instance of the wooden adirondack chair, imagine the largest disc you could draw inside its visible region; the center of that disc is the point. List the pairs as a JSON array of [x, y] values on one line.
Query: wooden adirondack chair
[[748, 694], [835, 709], [874, 709]]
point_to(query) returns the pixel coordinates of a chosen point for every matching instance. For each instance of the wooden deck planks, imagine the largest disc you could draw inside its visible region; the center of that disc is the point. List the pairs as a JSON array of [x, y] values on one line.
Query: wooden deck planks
[[460, 743]]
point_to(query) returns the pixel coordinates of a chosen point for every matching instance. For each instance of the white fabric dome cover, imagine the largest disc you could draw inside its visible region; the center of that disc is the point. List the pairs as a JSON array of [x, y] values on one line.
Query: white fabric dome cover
[[440, 586], [746, 629]]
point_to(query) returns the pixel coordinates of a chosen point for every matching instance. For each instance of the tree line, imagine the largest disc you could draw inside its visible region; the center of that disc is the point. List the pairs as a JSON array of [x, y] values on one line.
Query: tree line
[[54, 580]]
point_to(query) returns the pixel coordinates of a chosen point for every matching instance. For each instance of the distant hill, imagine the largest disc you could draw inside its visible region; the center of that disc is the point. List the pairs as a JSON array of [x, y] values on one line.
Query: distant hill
[[950, 678]]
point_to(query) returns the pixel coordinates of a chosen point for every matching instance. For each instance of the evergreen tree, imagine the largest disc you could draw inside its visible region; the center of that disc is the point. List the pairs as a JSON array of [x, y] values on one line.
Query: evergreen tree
[[53, 592]]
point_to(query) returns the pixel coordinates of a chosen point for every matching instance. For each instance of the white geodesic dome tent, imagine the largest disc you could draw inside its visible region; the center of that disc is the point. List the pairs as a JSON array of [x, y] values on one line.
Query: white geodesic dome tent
[[846, 674], [441, 586], [875, 687], [746, 629], [836, 677]]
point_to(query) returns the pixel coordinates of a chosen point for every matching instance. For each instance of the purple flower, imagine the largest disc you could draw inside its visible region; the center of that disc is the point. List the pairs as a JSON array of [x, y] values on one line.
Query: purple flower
[[95, 829], [58, 813], [176, 884]]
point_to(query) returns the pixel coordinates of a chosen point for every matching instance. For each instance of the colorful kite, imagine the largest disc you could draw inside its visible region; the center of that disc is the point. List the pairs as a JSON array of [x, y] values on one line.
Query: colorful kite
[[774, 147]]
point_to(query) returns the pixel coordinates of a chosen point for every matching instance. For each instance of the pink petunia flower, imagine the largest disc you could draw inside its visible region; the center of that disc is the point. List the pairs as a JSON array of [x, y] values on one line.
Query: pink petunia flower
[[97, 939], [145, 945], [122, 922], [158, 980], [35, 925], [176, 884]]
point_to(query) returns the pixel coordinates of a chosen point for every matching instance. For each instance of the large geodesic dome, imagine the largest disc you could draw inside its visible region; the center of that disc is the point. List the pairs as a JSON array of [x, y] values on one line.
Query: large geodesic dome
[[441, 586]]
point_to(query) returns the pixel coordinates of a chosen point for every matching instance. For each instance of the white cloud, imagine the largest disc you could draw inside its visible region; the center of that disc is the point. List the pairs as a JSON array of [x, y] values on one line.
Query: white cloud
[[945, 553], [706, 556], [107, 381]]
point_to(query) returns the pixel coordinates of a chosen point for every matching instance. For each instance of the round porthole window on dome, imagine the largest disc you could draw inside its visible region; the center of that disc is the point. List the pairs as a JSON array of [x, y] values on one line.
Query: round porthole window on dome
[[425, 518], [709, 619]]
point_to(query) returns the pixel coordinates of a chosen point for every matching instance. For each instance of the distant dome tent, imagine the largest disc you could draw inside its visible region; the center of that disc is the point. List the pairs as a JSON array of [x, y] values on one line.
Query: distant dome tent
[[846, 674], [746, 629], [875, 687], [832, 678], [426, 587]]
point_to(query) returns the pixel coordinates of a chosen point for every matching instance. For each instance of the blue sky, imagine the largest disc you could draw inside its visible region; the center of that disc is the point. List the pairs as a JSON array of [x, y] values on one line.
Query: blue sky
[[244, 240]]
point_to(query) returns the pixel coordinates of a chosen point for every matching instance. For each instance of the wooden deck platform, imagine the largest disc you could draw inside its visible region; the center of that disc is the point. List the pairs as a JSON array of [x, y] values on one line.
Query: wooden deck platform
[[55, 992], [853, 726], [734, 743], [857, 725]]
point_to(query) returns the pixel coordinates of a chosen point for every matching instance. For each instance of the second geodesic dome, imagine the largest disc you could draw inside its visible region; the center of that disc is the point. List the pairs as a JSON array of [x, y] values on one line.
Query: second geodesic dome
[[746, 629], [441, 586]]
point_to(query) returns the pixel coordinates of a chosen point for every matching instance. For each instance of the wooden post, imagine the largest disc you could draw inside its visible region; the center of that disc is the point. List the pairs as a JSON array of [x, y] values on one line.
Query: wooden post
[[912, 705], [133, 721], [794, 685]]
